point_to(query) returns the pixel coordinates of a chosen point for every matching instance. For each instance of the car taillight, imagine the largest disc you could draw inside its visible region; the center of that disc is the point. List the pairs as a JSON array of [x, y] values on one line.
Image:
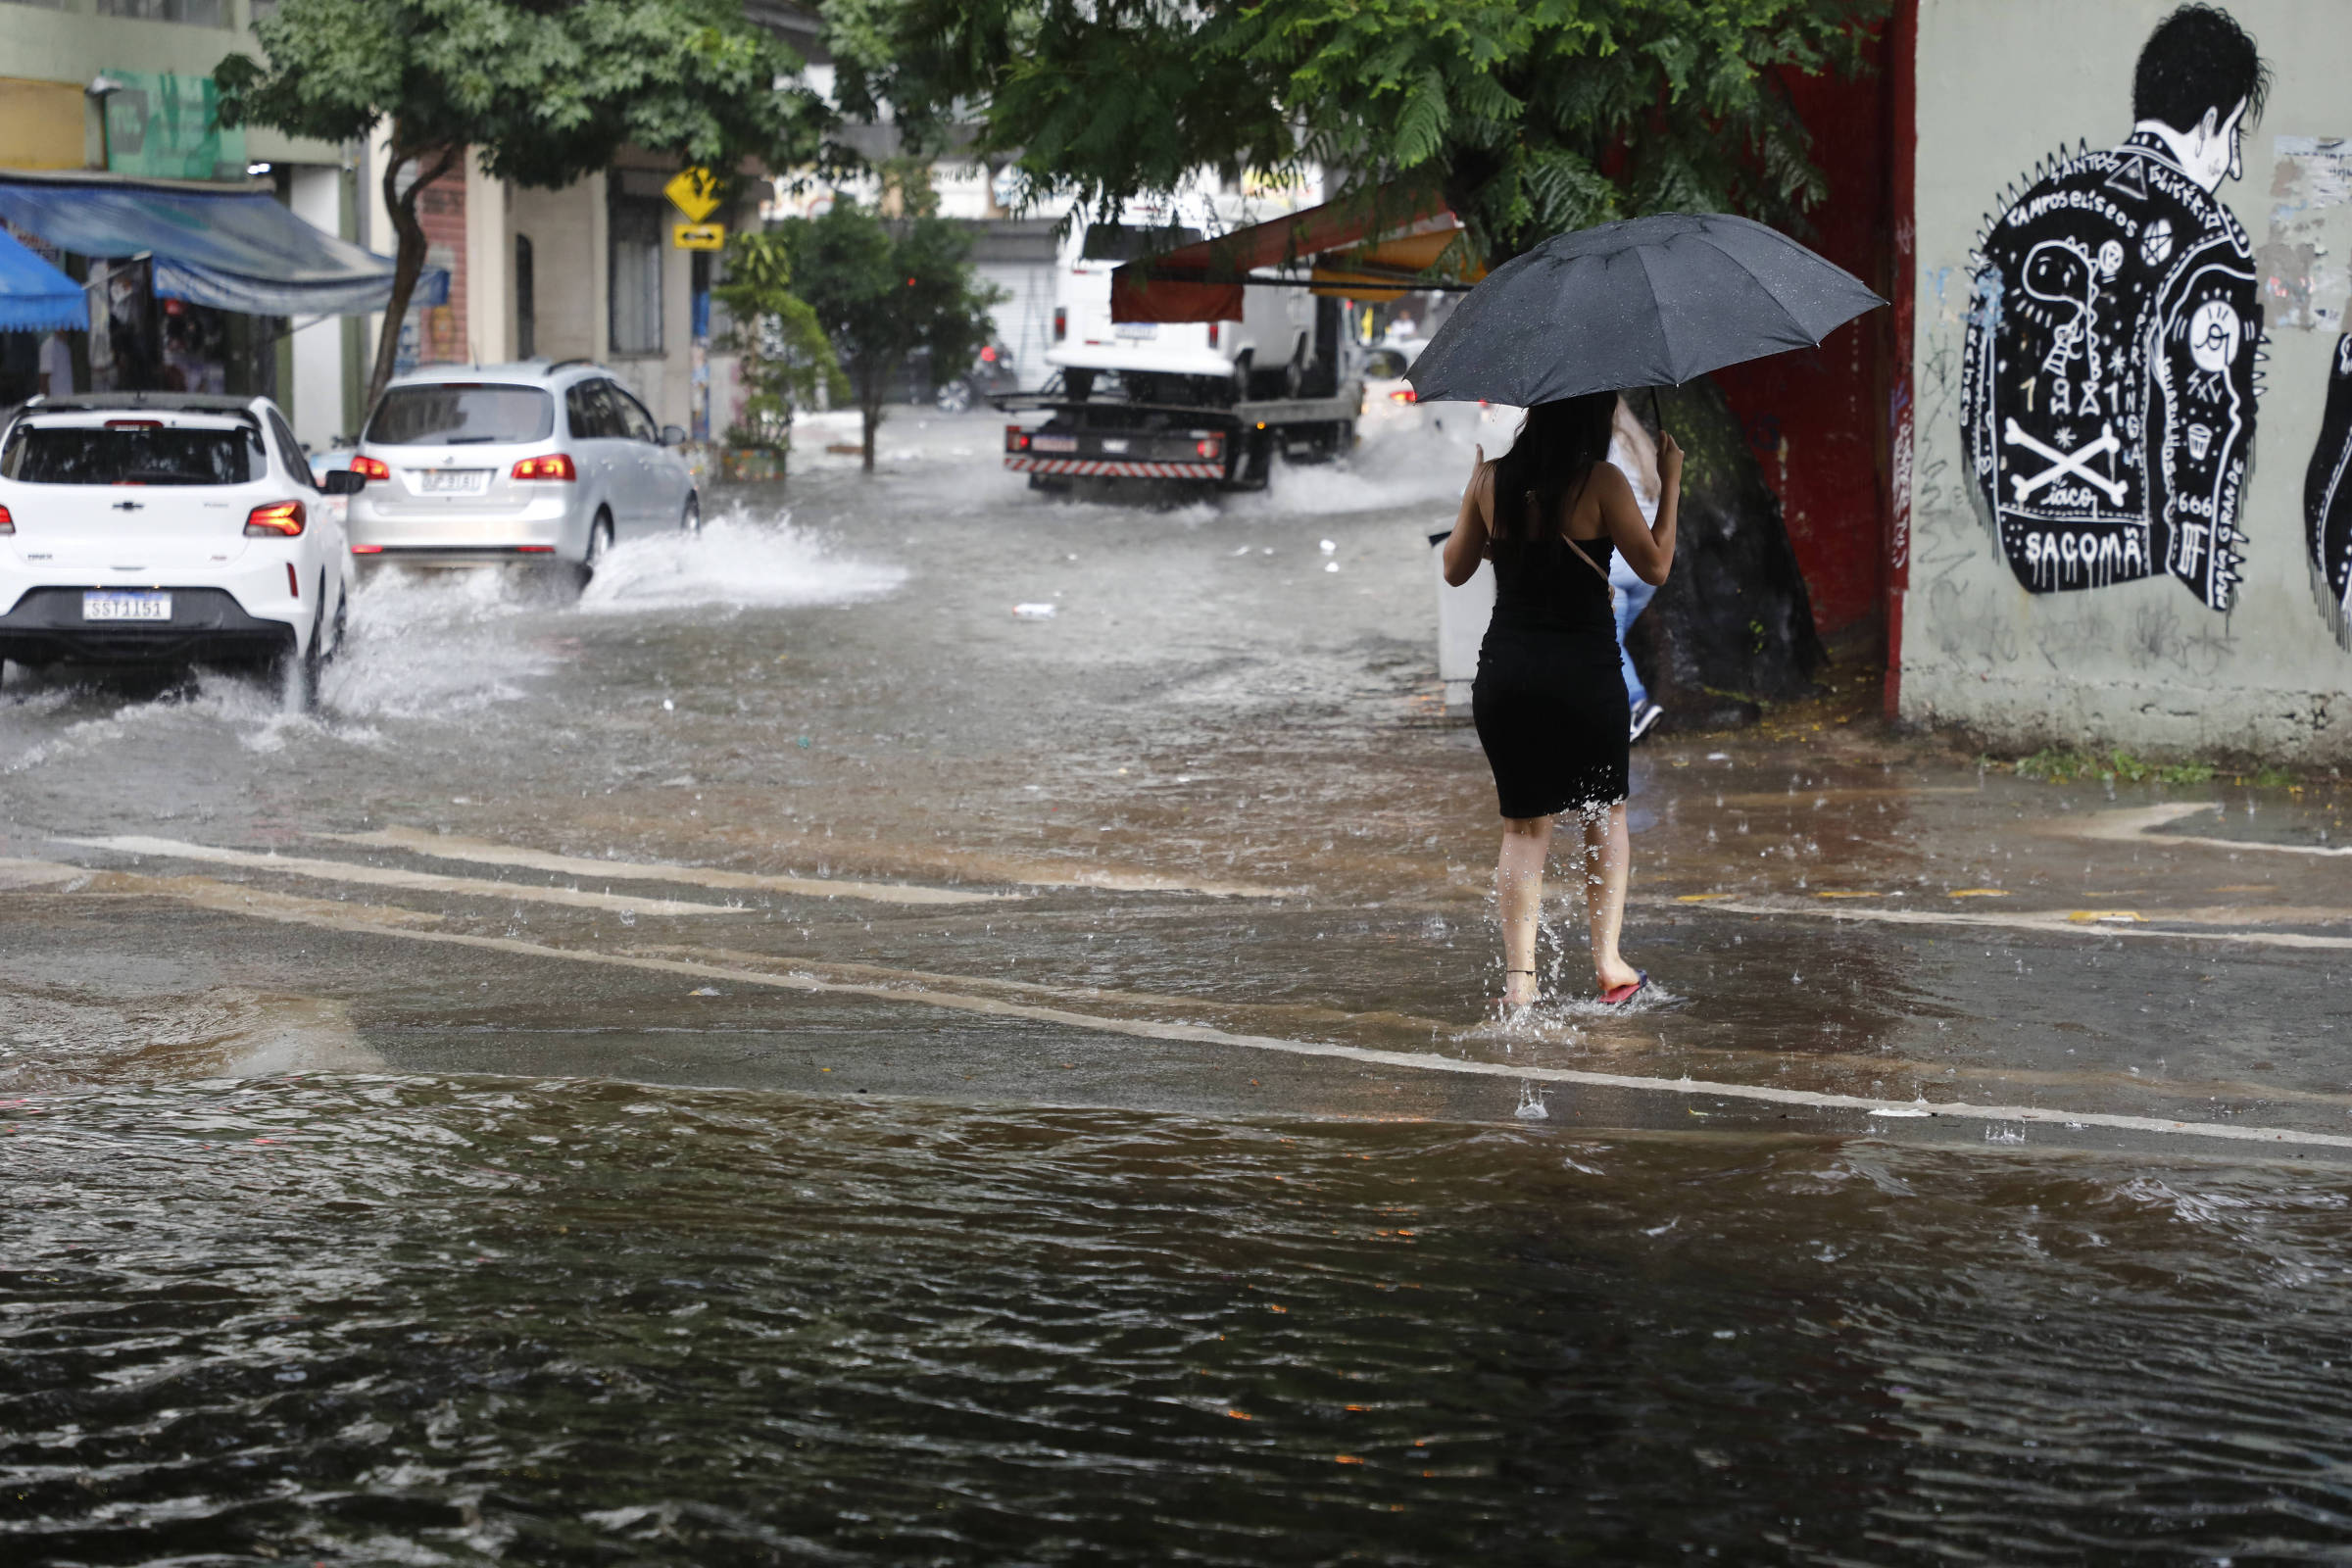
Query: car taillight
[[7, 524], [372, 467], [1061, 322], [1210, 446], [134, 424], [1212, 333], [281, 519], [1404, 394], [293, 584], [366, 550], [988, 355], [1016, 439], [555, 466]]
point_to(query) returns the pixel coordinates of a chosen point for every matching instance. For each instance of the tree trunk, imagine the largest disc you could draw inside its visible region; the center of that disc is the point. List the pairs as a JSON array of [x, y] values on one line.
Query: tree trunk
[[870, 407], [408, 258], [1733, 627]]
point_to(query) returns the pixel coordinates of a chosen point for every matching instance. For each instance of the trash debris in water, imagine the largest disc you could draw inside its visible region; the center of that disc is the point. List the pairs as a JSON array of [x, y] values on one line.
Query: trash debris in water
[[1331, 566], [669, 707], [1034, 612], [1328, 548], [705, 991]]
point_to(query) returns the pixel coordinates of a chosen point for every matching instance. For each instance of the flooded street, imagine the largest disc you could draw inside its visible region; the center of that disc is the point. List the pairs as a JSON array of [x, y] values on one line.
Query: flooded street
[[777, 1057]]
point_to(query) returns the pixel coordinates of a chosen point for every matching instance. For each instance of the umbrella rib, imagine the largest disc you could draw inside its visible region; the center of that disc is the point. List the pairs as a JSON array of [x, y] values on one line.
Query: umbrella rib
[[1665, 331]]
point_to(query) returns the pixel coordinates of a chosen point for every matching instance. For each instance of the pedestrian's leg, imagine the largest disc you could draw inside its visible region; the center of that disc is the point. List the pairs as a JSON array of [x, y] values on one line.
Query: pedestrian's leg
[[1631, 598], [1519, 898], [1608, 866]]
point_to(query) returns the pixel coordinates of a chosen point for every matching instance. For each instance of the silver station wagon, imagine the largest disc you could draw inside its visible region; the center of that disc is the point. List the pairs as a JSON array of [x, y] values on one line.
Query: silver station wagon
[[515, 464]]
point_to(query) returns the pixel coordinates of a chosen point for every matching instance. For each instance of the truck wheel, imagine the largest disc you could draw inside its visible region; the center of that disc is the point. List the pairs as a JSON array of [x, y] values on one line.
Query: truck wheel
[[1294, 374], [1242, 362], [1079, 384]]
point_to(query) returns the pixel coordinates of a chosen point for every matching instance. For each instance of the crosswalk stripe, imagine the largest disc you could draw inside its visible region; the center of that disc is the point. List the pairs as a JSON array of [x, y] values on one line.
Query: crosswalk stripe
[[482, 852], [385, 876]]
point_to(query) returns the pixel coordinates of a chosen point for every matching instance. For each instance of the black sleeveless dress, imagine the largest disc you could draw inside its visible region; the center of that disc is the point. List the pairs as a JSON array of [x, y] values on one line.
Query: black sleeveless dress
[[1549, 700]]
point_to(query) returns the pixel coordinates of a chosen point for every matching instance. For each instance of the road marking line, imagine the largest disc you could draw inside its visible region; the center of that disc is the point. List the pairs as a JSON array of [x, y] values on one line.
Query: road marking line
[[391, 877], [2026, 921], [482, 852], [2137, 824], [344, 919]]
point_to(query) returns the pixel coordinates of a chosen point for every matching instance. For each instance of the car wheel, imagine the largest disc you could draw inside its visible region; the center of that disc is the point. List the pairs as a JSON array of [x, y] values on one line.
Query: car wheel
[[342, 620], [600, 541], [690, 522], [954, 398]]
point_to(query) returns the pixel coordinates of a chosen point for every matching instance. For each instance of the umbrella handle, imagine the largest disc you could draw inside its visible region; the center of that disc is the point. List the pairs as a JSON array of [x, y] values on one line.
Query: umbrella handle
[[1656, 417]]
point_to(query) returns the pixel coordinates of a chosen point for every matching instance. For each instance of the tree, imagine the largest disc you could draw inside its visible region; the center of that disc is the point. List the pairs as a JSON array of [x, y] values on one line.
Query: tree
[[1532, 116], [783, 354], [544, 93], [885, 290]]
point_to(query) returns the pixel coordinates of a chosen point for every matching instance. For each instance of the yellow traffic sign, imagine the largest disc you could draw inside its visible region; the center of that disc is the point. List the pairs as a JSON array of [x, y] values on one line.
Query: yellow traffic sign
[[694, 192], [698, 236]]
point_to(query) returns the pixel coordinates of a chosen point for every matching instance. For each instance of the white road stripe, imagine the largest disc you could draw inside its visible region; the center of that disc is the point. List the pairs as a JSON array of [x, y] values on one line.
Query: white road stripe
[[385, 876], [2025, 920], [1399, 1061], [481, 852]]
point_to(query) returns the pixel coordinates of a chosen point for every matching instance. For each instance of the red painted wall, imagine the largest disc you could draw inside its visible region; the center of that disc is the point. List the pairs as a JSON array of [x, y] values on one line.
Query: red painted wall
[[1815, 419]]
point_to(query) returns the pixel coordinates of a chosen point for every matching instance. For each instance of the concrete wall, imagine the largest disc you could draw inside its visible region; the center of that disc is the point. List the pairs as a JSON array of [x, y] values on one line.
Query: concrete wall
[[2101, 598]]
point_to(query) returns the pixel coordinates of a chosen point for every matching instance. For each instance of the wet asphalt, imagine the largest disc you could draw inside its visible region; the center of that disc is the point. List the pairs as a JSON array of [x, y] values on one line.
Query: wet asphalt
[[802, 804]]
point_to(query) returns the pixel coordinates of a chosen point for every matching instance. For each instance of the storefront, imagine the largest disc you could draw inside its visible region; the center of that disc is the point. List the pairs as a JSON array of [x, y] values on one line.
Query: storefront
[[191, 286]]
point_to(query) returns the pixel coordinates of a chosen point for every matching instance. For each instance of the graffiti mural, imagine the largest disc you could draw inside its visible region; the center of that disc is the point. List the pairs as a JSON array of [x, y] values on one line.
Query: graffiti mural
[[2108, 387], [2328, 497]]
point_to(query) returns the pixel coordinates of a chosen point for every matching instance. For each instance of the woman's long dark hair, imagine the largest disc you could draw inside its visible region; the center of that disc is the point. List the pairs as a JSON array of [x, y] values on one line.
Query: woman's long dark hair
[[1557, 447]]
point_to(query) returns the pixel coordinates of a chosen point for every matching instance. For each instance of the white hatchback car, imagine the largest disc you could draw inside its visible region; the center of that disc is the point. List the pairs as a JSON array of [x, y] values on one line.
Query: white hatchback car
[[515, 464], [166, 529]]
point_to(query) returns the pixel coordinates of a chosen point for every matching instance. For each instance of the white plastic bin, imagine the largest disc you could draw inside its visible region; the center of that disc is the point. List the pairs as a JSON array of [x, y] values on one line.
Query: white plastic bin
[[1462, 616]]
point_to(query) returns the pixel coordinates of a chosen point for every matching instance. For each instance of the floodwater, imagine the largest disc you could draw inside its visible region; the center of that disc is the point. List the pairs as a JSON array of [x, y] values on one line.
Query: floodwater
[[780, 1059]]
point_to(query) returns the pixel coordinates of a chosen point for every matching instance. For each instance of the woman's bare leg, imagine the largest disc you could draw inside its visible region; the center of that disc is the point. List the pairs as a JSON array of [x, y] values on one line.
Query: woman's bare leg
[[1608, 866], [1519, 896]]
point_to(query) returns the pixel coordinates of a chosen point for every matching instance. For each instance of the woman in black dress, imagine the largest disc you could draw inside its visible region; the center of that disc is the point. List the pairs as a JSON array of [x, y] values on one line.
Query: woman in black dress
[[1549, 699]]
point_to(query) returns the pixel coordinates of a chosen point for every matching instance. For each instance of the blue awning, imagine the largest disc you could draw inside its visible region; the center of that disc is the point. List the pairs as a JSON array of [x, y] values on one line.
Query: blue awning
[[235, 250], [35, 297]]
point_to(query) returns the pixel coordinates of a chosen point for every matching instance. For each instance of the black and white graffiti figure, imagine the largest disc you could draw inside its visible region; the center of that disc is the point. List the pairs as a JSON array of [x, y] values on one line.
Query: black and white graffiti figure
[[2108, 390], [2328, 497]]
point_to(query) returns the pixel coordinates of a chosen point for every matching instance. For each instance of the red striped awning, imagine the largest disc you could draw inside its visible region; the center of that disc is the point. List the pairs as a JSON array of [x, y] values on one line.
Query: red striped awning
[[1203, 281]]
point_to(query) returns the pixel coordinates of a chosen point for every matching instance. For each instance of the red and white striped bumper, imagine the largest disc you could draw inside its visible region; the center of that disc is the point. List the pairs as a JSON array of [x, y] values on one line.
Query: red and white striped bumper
[[1114, 467]]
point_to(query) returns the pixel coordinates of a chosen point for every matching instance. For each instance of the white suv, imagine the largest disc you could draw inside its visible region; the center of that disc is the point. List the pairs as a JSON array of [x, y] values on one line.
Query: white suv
[[166, 529], [515, 464]]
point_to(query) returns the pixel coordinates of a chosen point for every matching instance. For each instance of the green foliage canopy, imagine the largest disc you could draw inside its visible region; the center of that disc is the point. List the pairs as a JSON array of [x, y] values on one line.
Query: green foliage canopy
[[784, 355], [884, 290], [542, 91], [1532, 116]]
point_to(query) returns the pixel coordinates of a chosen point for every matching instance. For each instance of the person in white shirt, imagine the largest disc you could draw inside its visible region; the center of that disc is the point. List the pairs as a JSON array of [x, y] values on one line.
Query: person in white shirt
[[1635, 455], [57, 366]]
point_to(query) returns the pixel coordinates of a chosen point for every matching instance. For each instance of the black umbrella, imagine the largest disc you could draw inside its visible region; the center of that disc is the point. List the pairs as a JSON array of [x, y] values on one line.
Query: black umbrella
[[1647, 301]]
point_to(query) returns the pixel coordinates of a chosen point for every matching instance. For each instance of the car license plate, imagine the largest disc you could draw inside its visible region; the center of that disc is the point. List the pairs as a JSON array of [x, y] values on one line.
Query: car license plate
[[125, 606], [1137, 329], [456, 482], [1054, 443]]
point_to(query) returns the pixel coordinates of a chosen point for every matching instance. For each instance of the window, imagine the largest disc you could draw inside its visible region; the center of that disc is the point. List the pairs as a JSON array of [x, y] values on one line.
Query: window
[[636, 267], [527, 302], [123, 452], [461, 413], [195, 13], [589, 411], [298, 461], [638, 424], [1124, 242]]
